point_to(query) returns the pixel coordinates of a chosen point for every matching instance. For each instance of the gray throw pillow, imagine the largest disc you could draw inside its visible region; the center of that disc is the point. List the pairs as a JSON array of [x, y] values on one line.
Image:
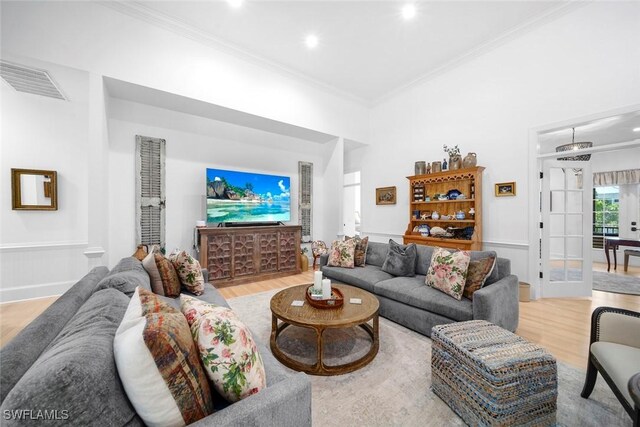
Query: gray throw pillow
[[126, 276], [401, 259]]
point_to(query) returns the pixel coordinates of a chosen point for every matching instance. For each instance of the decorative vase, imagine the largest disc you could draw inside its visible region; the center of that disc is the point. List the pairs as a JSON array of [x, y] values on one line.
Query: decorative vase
[[141, 252], [470, 160], [428, 168], [444, 164], [304, 262], [472, 212], [455, 162], [436, 167], [435, 215], [421, 168]]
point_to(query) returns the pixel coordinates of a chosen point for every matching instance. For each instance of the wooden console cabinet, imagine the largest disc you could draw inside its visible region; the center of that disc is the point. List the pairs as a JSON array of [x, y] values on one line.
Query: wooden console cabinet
[[249, 254]]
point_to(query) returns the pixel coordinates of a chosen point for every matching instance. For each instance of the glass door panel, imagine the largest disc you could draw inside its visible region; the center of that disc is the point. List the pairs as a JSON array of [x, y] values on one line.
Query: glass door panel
[[566, 232]]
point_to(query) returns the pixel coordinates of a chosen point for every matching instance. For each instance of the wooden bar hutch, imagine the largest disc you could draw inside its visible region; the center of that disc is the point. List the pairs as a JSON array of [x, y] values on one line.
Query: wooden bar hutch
[[467, 181]]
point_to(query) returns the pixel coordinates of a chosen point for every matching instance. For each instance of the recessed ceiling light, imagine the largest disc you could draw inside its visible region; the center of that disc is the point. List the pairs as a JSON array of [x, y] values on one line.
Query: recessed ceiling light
[[408, 11], [235, 3], [311, 41], [636, 129]]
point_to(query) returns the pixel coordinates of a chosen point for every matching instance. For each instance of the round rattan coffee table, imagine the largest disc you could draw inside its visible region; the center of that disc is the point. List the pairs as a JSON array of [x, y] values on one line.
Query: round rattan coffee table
[[347, 316]]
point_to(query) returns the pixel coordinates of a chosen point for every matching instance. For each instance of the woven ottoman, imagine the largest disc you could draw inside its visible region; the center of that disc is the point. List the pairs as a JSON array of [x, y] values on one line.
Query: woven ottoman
[[491, 377]]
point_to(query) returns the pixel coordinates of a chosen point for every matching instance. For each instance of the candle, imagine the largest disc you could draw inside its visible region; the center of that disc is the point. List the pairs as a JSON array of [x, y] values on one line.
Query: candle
[[326, 289], [317, 281]]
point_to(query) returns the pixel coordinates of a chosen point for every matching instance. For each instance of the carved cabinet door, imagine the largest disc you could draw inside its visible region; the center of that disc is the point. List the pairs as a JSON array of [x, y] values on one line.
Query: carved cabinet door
[[219, 256]]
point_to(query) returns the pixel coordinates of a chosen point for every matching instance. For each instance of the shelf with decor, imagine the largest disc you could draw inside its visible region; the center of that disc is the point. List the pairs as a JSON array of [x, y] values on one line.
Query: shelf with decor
[[433, 202], [464, 233]]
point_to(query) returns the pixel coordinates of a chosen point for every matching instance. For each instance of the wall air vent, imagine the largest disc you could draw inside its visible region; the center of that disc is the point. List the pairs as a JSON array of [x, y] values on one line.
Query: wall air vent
[[29, 80]]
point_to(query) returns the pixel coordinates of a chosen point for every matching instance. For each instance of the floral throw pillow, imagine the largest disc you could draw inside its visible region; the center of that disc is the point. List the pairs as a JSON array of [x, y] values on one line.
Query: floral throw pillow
[[448, 272], [342, 254], [189, 271], [360, 252], [227, 349], [477, 275]]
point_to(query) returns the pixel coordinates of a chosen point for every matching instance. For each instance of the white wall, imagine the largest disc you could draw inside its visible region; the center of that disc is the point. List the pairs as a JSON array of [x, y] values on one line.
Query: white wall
[[582, 63], [42, 251], [194, 144]]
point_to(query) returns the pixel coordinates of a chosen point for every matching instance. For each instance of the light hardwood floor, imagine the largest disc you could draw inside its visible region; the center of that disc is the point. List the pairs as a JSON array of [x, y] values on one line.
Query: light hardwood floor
[[561, 325]]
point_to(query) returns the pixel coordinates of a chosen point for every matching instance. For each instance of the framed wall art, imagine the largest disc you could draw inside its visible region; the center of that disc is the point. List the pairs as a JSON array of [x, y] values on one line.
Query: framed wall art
[[386, 196], [504, 189]]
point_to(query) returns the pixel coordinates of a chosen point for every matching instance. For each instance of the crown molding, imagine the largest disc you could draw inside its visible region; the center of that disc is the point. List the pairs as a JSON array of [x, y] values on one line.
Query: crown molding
[[512, 34], [151, 16]]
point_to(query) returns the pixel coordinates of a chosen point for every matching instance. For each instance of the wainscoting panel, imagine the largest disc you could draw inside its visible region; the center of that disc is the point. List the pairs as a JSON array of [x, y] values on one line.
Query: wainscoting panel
[[40, 269]]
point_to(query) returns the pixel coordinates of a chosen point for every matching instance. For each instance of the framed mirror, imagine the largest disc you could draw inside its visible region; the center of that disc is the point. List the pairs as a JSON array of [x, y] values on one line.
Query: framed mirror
[[33, 189]]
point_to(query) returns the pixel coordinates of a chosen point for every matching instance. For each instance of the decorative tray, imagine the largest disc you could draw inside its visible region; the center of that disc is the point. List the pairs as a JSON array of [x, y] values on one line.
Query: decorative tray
[[336, 300]]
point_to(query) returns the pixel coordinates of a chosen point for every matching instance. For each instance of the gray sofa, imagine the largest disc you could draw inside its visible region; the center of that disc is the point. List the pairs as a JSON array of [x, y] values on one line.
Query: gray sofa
[[63, 363], [411, 303]]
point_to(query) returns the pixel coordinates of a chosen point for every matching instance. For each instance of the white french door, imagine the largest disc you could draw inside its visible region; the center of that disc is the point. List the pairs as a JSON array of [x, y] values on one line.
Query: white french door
[[566, 228]]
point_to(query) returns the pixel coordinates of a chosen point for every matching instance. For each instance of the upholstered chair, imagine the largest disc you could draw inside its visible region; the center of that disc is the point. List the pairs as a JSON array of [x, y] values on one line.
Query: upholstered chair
[[614, 351], [634, 391], [318, 248]]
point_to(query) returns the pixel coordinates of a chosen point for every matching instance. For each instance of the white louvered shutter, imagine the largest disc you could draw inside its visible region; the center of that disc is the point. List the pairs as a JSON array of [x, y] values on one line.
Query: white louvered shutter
[[150, 191], [305, 200]]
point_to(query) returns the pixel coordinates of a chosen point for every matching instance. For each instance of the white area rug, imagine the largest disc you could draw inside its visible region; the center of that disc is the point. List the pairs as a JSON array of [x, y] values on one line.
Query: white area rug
[[394, 389]]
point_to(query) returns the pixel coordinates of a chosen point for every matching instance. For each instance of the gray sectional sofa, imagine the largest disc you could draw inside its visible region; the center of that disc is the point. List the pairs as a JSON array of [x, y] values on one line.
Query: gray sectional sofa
[[63, 363], [411, 303]]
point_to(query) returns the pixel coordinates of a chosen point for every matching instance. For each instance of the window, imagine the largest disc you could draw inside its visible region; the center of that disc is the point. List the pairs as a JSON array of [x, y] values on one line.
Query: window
[[606, 206]]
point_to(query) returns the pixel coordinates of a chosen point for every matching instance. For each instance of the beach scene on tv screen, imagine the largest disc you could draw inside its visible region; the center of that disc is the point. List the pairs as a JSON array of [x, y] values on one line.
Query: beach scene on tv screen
[[247, 197]]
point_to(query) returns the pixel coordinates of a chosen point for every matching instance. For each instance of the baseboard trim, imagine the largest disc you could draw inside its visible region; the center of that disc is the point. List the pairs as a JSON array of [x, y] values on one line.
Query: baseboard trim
[[43, 290]]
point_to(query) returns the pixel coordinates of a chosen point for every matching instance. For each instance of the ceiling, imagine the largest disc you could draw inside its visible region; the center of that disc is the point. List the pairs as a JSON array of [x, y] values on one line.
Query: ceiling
[[366, 49], [604, 131]]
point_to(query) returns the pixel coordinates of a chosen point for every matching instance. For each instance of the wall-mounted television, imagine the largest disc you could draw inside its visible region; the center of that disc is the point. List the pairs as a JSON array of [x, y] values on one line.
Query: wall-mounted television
[[234, 196]]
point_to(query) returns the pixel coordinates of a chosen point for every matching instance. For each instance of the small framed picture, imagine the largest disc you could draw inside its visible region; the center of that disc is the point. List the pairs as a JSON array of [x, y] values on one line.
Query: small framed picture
[[505, 189], [386, 196]]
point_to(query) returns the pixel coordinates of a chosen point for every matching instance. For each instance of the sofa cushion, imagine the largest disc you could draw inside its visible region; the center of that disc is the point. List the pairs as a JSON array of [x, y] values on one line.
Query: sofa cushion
[[413, 291], [360, 253], [477, 275], [342, 254], [620, 361], [126, 276], [495, 274], [125, 264], [159, 365], [77, 372], [149, 264], [363, 278], [401, 259], [448, 272], [377, 253], [424, 258], [227, 349], [189, 271], [18, 354], [169, 276]]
